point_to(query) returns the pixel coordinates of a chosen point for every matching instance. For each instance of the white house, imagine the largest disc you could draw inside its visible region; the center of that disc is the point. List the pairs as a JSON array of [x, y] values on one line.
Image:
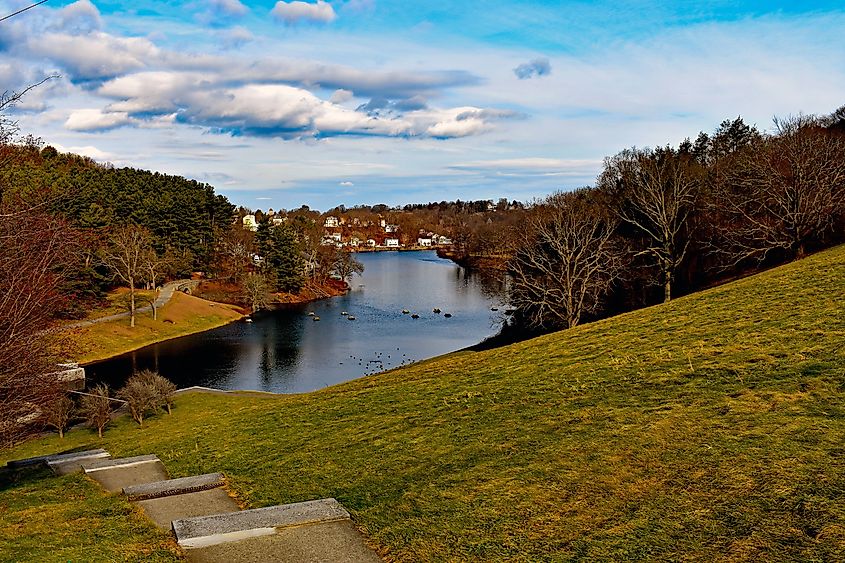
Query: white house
[[444, 240], [249, 223], [424, 241], [371, 243], [331, 222], [382, 223], [391, 242], [354, 241], [335, 237], [391, 228], [278, 220]]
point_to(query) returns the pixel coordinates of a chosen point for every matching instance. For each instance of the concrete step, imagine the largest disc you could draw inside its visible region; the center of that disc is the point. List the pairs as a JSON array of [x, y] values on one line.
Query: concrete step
[[164, 510], [116, 474], [221, 528], [327, 542], [69, 458], [174, 486], [64, 465]]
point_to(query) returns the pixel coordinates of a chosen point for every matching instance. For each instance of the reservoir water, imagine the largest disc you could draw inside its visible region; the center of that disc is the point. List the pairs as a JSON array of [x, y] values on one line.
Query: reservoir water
[[286, 351]]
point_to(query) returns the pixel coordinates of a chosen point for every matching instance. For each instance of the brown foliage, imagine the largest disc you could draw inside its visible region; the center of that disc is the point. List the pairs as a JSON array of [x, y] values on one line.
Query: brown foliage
[[33, 254]]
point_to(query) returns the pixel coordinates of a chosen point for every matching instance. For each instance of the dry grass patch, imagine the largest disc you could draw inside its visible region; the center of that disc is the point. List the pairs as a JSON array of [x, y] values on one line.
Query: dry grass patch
[[183, 314]]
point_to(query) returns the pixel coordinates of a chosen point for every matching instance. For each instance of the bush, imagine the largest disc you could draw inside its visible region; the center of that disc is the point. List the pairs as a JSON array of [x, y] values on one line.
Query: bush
[[58, 414], [96, 407], [163, 387], [140, 396]]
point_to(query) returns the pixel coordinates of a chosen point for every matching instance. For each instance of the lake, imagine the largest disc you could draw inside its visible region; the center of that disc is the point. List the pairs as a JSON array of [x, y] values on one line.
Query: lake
[[287, 351]]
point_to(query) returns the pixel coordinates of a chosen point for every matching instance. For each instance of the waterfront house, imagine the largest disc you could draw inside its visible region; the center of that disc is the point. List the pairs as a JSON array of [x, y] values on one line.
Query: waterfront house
[[391, 242], [249, 223], [423, 241]]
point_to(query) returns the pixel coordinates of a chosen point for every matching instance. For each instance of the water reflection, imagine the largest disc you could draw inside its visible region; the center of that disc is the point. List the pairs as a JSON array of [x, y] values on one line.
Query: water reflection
[[287, 351]]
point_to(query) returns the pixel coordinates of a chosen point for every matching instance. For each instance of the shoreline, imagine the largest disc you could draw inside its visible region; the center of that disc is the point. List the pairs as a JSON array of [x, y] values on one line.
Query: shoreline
[[172, 323]]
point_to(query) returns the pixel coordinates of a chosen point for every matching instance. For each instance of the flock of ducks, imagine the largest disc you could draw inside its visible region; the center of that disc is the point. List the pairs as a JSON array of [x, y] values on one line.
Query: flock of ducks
[[346, 314]]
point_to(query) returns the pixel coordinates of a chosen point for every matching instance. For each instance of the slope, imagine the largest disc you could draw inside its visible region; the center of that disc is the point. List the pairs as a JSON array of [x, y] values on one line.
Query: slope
[[708, 428]]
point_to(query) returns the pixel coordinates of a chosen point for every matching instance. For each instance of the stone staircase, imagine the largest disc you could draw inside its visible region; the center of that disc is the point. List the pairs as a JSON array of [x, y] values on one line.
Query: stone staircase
[[208, 524]]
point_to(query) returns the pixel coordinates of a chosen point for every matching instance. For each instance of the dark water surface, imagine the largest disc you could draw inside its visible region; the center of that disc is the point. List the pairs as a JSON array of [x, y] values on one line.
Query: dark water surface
[[286, 351]]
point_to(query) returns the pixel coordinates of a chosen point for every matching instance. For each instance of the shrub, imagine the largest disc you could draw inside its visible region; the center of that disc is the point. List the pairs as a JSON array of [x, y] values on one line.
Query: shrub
[[96, 408], [163, 387], [140, 396], [58, 414]]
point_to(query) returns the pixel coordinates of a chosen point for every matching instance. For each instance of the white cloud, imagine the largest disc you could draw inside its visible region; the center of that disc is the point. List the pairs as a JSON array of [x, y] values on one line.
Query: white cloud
[[89, 151], [237, 36], [347, 184], [96, 55], [341, 96], [292, 13], [278, 110], [228, 7], [535, 166], [95, 120], [80, 17]]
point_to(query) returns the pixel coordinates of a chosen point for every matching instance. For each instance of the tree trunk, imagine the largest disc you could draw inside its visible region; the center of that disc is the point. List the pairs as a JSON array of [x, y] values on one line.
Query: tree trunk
[[667, 287], [132, 303], [100, 431], [61, 433]]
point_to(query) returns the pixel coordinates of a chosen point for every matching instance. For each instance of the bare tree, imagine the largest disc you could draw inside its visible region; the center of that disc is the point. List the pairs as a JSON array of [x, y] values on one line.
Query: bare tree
[[256, 290], [656, 192], [95, 406], [346, 265], [32, 259], [569, 261], [127, 256], [59, 413], [786, 194]]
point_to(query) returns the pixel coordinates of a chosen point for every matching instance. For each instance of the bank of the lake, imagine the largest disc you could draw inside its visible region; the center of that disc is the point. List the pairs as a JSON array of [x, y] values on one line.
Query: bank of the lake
[[182, 315], [287, 350]]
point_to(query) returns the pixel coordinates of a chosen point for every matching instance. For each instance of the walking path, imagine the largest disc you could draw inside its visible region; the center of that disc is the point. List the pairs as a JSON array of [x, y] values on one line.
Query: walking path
[[208, 523], [165, 293]]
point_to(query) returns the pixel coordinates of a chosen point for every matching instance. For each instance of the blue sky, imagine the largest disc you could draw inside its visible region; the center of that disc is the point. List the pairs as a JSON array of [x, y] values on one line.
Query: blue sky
[[279, 104]]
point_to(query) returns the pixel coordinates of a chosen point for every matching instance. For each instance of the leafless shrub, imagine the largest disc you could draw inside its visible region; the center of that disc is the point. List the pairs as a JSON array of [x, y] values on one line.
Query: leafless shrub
[[141, 397], [163, 388], [58, 414], [95, 406]]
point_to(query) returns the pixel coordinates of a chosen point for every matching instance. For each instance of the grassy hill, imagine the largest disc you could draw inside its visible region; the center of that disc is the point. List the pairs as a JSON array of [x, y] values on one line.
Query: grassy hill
[[711, 428]]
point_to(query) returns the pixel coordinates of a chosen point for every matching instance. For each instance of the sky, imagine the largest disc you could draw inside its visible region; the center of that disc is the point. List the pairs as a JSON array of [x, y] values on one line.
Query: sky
[[280, 104]]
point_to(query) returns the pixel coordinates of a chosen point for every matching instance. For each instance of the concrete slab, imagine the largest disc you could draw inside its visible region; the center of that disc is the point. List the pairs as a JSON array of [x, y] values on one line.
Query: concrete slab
[[96, 465], [44, 459], [208, 530], [164, 510], [174, 486], [328, 542], [114, 478], [73, 464]]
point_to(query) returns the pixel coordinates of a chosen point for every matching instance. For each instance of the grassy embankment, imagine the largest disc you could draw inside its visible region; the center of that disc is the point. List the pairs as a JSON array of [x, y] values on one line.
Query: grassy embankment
[[711, 428], [183, 314]]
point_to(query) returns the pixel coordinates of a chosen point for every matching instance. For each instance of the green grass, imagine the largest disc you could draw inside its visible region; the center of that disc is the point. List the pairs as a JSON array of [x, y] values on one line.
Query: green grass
[[711, 428], [47, 518]]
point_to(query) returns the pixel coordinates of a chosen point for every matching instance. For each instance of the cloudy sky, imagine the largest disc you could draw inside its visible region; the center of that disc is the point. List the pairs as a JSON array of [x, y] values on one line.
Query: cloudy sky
[[279, 104]]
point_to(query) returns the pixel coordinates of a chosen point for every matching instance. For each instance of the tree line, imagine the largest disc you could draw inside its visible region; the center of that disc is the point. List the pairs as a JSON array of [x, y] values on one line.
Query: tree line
[[670, 220]]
